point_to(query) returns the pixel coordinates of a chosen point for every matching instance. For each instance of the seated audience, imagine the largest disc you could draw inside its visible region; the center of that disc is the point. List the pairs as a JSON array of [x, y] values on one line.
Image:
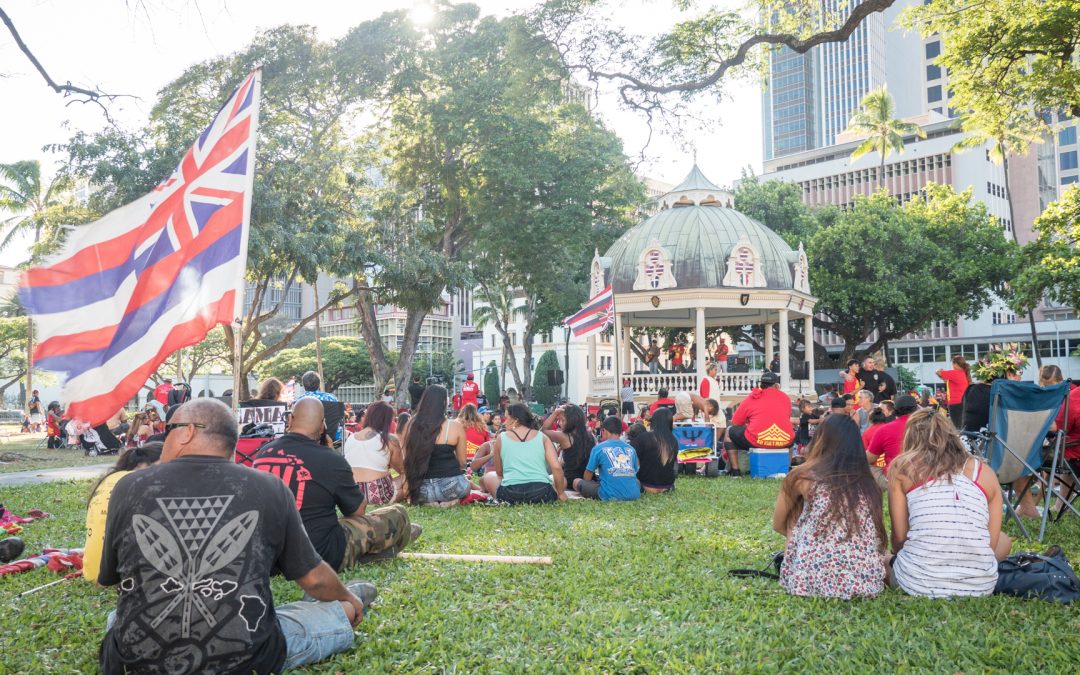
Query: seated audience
[[322, 483], [269, 395], [312, 384], [372, 451], [435, 454], [476, 435], [573, 437], [197, 510], [877, 420], [97, 510], [888, 406], [54, 422], [887, 442], [864, 406], [524, 457], [658, 453], [762, 420], [611, 473], [946, 510], [829, 508]]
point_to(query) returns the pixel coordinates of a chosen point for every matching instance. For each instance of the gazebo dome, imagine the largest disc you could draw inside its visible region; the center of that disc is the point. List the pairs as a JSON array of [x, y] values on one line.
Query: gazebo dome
[[698, 241]]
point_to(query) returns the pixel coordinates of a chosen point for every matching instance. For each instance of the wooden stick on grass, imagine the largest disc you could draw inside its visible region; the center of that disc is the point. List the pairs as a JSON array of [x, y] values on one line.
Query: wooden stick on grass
[[510, 559]]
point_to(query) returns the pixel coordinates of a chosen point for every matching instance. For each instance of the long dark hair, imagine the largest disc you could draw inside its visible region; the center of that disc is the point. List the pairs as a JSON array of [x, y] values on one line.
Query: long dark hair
[[836, 460], [660, 426], [577, 428], [961, 363], [378, 416], [420, 436], [130, 459], [521, 414]]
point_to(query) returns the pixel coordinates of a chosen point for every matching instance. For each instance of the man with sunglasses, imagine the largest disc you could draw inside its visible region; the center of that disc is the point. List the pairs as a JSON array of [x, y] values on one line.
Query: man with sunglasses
[[192, 541]]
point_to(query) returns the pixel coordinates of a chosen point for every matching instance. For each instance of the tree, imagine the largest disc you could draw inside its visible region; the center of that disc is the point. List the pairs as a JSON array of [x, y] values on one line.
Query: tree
[[12, 351], [542, 392], [491, 384], [885, 133], [778, 205], [1050, 265], [496, 307], [946, 258], [345, 360], [37, 208]]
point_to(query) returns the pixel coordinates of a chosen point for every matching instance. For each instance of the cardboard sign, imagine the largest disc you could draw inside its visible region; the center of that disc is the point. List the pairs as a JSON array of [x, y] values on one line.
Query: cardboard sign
[[273, 415]]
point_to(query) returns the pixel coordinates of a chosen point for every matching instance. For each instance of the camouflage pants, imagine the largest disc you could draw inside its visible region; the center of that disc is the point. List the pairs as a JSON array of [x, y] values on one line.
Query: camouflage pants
[[375, 532]]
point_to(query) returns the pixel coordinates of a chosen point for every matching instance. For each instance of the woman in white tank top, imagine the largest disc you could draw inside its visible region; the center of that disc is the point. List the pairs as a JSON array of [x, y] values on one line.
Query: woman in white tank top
[[945, 507], [372, 451]]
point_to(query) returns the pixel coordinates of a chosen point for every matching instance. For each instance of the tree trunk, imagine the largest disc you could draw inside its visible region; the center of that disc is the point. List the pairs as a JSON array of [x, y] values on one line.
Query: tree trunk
[[1016, 239], [508, 349], [29, 361], [414, 319], [881, 169], [318, 336], [369, 329]]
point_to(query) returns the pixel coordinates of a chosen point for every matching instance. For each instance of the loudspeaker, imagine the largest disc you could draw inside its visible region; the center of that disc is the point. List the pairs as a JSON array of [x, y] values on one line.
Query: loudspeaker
[[554, 378], [800, 370]]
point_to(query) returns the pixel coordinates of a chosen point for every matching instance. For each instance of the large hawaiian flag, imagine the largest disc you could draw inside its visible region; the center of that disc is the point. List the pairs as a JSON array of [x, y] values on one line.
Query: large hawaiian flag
[[153, 276], [595, 316]]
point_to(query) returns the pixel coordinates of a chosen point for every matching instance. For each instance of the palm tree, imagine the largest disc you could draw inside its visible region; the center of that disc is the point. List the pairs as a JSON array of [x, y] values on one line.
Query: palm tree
[[886, 133], [35, 207], [499, 310]]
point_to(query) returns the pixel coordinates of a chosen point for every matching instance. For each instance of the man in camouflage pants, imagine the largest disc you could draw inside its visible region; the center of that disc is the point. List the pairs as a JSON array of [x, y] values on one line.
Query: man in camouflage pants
[[322, 482]]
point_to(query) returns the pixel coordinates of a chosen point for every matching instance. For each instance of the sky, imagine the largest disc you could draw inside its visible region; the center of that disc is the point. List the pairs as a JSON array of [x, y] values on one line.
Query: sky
[[137, 46]]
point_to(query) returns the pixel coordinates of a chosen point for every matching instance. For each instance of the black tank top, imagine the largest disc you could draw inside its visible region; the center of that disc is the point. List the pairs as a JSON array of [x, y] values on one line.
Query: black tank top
[[444, 462]]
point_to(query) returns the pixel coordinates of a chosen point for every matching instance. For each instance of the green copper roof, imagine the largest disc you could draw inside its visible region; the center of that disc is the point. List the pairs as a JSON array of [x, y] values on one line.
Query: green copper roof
[[699, 240], [695, 180]]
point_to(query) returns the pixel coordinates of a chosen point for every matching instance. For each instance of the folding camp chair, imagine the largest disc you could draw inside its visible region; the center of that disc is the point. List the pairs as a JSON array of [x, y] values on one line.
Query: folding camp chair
[[1020, 417], [333, 420]]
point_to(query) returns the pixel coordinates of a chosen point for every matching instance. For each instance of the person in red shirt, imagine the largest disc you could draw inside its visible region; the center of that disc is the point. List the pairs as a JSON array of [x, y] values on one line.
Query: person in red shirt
[[888, 440], [709, 387], [721, 355], [1072, 427], [762, 420], [851, 377], [675, 354], [470, 391], [957, 380], [662, 400], [161, 392]]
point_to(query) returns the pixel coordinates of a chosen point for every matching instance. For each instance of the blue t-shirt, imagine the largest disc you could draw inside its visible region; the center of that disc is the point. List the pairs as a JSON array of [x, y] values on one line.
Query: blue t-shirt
[[616, 465]]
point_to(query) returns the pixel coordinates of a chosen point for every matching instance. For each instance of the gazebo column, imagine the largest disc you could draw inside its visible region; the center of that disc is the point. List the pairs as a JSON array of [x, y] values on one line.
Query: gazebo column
[[593, 368], [785, 359], [627, 355], [808, 345], [699, 345], [768, 345], [620, 372]]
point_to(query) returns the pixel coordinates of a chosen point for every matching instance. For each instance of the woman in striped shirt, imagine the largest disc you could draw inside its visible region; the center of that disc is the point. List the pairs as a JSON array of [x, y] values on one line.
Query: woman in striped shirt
[[945, 507]]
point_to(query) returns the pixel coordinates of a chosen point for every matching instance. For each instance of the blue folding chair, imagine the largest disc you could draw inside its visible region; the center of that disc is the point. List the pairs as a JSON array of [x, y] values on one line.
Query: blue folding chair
[[1021, 414]]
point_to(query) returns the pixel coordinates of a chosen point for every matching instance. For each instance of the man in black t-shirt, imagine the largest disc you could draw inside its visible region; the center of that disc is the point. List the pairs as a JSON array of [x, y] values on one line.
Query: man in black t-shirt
[[322, 483], [416, 390], [878, 382], [192, 541]]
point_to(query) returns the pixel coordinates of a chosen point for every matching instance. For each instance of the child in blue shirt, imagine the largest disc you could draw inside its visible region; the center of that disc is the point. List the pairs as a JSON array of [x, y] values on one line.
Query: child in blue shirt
[[614, 463]]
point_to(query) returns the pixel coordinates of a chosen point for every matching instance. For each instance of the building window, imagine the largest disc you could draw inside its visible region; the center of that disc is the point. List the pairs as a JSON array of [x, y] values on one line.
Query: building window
[[1068, 160], [933, 94], [1069, 180], [1067, 136], [933, 49], [933, 72]]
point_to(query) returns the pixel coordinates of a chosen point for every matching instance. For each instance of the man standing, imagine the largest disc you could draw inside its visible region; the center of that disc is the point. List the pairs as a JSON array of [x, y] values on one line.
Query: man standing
[[675, 356], [312, 387], [322, 483], [626, 395], [721, 355], [161, 392], [470, 391], [192, 542], [878, 382], [762, 420], [652, 357], [416, 390]]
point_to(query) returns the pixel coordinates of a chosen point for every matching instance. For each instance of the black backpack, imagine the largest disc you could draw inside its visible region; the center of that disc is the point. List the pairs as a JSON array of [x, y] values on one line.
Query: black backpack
[[1030, 575]]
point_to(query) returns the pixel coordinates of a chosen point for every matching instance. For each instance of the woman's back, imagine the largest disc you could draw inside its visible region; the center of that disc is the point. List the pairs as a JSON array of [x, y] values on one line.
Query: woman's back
[[824, 561], [652, 469], [367, 455], [523, 459], [948, 550], [444, 461]]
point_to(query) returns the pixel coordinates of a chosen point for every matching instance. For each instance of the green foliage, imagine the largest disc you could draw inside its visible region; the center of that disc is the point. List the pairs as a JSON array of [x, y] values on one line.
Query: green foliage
[[778, 205], [443, 364], [36, 208], [13, 334], [542, 392], [946, 257], [1050, 265], [345, 360], [885, 134], [907, 380], [530, 622], [491, 384]]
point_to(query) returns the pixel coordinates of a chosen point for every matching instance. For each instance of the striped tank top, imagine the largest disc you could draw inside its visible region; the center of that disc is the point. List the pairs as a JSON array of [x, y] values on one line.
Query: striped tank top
[[948, 550]]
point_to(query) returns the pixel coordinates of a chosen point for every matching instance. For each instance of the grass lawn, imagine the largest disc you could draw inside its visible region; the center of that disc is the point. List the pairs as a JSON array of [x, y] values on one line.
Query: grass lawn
[[40, 457], [634, 588]]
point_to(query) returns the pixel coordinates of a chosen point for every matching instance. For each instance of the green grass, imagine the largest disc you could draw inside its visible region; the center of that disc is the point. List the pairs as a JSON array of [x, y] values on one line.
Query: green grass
[[634, 588], [40, 457]]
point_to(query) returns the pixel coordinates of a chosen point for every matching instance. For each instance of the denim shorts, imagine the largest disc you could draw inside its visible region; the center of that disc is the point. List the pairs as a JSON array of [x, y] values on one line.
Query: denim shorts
[[526, 493], [444, 489]]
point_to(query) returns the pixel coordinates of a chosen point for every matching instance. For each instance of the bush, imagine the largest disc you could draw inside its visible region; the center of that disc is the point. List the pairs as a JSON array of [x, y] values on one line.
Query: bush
[[491, 384], [542, 392]]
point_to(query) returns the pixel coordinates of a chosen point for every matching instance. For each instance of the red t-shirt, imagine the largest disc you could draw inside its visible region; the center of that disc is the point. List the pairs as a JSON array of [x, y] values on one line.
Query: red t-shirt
[[470, 391], [1072, 429], [677, 354], [474, 438], [888, 440], [851, 386], [956, 383], [668, 402], [767, 416], [161, 393]]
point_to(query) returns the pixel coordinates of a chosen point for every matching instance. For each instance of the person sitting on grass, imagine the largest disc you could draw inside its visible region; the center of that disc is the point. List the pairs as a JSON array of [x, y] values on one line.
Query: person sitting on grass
[[945, 507], [611, 472], [658, 453], [435, 452], [97, 510], [372, 451], [196, 516], [523, 459], [323, 483], [573, 437], [762, 420], [829, 508], [877, 420], [887, 442]]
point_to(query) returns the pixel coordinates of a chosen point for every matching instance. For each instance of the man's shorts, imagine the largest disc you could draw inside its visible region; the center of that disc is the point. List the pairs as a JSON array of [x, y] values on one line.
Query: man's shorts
[[737, 437]]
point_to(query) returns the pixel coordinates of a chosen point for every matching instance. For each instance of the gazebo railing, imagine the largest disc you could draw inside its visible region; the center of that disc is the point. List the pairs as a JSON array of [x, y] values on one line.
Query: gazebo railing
[[731, 384]]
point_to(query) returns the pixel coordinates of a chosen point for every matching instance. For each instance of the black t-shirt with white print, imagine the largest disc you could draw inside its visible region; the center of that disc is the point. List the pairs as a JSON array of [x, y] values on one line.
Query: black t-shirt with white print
[[191, 544]]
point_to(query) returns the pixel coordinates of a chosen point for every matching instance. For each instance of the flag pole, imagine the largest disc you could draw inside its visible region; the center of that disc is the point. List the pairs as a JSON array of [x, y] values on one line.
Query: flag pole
[[241, 281], [616, 328]]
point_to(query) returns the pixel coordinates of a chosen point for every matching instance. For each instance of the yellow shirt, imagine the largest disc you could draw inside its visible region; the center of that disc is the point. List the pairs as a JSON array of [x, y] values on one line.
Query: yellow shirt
[[96, 514]]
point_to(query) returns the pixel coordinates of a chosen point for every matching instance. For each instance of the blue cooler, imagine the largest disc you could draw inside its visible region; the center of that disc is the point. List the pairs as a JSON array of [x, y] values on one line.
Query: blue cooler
[[765, 463]]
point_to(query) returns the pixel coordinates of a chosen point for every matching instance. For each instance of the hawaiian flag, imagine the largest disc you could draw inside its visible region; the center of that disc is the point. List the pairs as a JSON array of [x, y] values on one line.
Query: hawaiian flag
[[597, 314], [153, 276]]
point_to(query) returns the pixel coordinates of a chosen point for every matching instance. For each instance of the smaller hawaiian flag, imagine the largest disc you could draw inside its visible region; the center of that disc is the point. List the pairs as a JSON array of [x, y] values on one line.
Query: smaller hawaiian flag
[[597, 314], [153, 276]]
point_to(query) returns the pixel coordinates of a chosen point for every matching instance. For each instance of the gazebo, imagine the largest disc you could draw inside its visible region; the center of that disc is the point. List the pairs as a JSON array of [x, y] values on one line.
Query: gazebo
[[697, 264]]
